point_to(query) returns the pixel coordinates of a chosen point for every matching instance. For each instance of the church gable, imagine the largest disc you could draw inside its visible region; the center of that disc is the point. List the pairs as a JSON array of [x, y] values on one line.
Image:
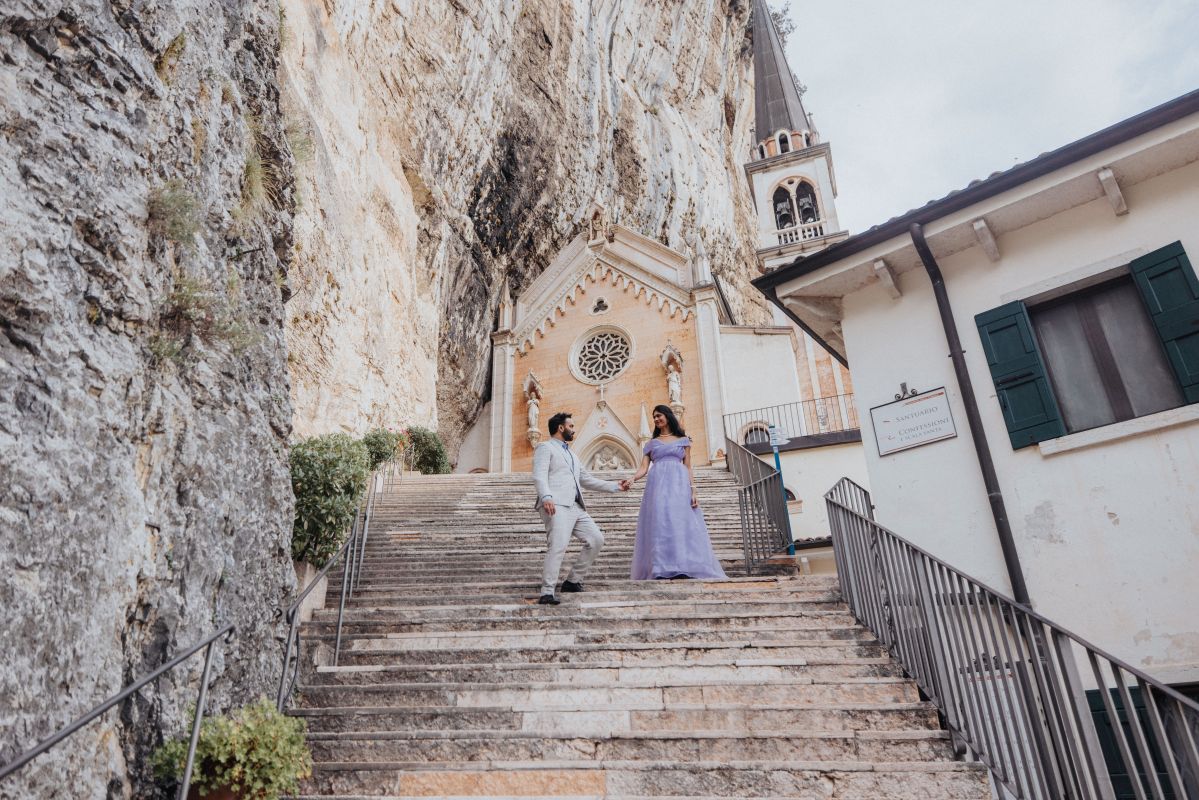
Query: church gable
[[635, 266]]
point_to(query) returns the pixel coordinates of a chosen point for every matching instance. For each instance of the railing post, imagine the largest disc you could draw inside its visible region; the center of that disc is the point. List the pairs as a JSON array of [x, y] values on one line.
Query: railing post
[[196, 720], [345, 584], [292, 616]]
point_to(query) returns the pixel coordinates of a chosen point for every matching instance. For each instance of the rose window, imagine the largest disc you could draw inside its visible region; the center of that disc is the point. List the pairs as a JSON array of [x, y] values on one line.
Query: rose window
[[603, 356]]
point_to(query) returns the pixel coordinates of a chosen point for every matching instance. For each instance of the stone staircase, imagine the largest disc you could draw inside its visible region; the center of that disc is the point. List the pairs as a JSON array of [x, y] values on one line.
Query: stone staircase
[[453, 683]]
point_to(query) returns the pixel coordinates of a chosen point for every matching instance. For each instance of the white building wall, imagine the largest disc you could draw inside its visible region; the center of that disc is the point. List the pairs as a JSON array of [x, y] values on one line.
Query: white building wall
[[475, 452], [1108, 533], [812, 472], [759, 368]]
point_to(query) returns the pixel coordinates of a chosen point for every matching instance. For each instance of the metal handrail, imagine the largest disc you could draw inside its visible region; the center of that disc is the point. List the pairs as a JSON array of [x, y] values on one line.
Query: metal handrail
[[765, 523], [351, 554], [206, 645], [354, 546], [1012, 685], [832, 414]]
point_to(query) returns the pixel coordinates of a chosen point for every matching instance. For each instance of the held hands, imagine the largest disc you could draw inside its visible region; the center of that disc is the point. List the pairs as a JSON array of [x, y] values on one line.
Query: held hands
[[626, 484]]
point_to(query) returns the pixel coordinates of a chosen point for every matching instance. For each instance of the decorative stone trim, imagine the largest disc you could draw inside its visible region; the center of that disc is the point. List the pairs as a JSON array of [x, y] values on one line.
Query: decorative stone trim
[[599, 273]]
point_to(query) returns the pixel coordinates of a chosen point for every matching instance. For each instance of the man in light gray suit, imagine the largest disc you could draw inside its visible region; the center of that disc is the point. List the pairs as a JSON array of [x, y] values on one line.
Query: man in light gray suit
[[560, 480]]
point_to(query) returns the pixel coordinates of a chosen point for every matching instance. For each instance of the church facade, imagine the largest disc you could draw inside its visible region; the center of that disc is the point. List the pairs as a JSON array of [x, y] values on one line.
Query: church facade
[[617, 324]]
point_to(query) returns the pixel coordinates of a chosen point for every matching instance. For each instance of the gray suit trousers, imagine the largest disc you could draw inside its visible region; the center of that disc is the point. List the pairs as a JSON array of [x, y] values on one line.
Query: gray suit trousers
[[571, 520]]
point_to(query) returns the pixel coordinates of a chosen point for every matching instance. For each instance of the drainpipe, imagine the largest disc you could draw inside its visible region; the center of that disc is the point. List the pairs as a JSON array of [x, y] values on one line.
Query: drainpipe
[[1010, 557]]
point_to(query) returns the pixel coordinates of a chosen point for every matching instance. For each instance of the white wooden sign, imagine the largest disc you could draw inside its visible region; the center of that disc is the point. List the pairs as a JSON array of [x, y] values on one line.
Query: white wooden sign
[[912, 421], [778, 436]]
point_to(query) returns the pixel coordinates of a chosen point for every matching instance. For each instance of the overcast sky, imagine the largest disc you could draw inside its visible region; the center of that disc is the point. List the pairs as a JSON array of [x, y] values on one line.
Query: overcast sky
[[920, 97]]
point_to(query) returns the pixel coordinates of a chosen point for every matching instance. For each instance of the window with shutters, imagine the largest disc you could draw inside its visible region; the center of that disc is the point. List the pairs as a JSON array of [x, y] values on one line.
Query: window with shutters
[[1125, 348], [1105, 361]]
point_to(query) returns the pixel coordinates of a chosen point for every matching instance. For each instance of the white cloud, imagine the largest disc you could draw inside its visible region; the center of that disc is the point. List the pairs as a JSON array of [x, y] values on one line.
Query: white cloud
[[921, 97]]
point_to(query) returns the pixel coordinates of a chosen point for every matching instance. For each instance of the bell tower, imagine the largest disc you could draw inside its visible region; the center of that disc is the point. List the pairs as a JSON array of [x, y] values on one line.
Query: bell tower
[[790, 170]]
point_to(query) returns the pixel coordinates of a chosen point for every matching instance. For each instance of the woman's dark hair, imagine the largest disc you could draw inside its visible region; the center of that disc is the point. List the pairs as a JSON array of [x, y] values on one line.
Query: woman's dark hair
[[672, 422]]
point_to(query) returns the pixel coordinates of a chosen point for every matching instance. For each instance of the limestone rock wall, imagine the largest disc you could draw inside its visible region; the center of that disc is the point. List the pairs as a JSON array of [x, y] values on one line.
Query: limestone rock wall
[[144, 403], [457, 143]]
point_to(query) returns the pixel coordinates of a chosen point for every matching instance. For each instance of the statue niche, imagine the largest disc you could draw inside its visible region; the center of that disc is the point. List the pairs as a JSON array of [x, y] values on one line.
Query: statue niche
[[533, 396], [672, 363]]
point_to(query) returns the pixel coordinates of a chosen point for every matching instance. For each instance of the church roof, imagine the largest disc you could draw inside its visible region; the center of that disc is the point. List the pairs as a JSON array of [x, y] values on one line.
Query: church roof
[[777, 104]]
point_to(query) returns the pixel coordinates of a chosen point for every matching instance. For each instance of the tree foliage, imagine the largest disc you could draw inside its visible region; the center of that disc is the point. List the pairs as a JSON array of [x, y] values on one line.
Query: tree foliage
[[383, 445], [428, 453], [328, 476], [784, 23]]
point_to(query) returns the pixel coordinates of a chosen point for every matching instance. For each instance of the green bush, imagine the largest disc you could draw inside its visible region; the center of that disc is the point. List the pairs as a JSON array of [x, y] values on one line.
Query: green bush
[[328, 475], [383, 445], [428, 453], [257, 752]]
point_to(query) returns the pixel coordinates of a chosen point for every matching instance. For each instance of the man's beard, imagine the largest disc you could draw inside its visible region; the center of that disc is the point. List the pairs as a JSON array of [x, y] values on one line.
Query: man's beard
[[568, 436]]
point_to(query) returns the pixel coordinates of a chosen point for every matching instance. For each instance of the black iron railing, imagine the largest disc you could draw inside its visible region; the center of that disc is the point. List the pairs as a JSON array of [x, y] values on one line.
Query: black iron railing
[[1051, 715], [765, 525], [803, 418], [206, 645]]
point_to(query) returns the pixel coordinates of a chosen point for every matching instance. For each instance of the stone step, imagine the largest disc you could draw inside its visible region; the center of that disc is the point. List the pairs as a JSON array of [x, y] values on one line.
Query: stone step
[[629, 654], [587, 608], [730, 717], [355, 623], [495, 639], [598, 674], [506, 745], [574, 617], [547, 696], [659, 595], [626, 588], [837, 780]]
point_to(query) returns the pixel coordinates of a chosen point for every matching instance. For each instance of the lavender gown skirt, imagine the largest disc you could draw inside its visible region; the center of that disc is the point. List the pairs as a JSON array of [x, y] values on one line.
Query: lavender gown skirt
[[672, 538]]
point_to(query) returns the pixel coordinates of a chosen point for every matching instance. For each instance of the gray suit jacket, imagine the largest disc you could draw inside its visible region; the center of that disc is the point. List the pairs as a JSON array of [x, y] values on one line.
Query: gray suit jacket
[[563, 477]]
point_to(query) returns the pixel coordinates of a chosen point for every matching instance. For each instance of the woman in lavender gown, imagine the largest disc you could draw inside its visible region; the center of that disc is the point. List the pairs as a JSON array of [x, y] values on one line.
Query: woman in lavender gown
[[672, 539]]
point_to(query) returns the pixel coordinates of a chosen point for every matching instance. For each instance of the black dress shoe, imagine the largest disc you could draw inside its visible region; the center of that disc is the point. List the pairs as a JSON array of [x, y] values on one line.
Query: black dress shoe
[[548, 600], [571, 586]]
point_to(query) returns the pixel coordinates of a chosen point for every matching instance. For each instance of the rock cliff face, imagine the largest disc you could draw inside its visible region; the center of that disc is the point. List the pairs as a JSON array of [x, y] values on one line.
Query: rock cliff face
[[144, 414], [459, 143]]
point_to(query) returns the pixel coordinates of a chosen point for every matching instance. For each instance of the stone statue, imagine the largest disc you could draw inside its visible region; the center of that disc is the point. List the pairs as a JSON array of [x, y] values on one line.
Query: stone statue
[[609, 458], [534, 411], [674, 385]]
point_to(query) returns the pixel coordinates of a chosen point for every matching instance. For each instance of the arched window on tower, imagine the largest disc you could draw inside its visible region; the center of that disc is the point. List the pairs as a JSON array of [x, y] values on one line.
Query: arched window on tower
[[784, 213], [761, 151], [784, 143], [805, 201], [807, 139]]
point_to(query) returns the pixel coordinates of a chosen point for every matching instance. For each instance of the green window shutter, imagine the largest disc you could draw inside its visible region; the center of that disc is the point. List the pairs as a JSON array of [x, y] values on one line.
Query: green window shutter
[[1168, 284], [1021, 383]]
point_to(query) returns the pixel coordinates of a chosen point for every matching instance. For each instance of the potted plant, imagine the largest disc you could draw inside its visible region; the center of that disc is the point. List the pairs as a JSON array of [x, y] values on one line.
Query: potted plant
[[256, 753], [328, 478]]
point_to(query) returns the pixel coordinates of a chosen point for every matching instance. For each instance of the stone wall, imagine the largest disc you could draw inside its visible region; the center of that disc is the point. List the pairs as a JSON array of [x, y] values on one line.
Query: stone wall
[[144, 414], [457, 143]]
